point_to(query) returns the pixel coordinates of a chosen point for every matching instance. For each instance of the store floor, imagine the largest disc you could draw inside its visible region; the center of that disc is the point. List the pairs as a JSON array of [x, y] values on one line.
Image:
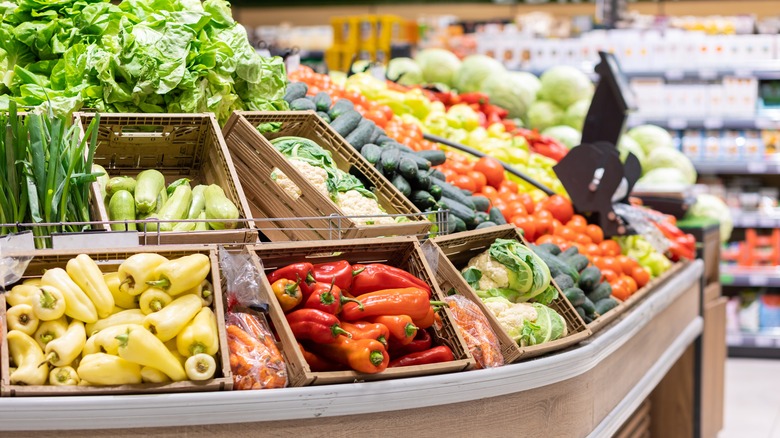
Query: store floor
[[752, 399]]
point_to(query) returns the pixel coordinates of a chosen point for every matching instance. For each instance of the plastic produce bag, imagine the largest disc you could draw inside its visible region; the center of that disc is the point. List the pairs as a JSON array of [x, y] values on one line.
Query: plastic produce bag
[[479, 336]]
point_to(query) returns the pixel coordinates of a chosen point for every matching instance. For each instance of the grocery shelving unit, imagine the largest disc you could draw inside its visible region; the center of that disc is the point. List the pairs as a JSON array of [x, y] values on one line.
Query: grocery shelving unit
[[761, 344]]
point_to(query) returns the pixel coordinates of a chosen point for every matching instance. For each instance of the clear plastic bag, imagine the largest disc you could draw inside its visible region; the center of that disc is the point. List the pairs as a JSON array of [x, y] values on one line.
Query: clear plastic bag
[[475, 328]]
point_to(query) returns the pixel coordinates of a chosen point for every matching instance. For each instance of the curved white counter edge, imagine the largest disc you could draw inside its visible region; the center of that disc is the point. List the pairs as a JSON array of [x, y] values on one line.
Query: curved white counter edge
[[168, 410]]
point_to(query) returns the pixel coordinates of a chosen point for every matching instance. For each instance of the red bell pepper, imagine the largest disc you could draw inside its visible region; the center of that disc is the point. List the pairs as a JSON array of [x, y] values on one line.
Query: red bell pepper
[[315, 325], [296, 272], [340, 273], [474, 98], [377, 276], [402, 329], [438, 354], [493, 109], [368, 330], [410, 301], [421, 342]]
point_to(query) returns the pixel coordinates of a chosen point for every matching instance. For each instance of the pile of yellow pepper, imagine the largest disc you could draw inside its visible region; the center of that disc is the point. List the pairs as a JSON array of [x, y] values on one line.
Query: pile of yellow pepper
[[149, 322]]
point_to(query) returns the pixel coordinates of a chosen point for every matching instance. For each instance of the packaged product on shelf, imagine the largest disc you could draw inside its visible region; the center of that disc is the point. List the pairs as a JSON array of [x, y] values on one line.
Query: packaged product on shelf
[[477, 333]]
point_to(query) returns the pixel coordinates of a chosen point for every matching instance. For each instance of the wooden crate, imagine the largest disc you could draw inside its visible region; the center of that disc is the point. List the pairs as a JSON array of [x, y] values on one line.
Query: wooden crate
[[401, 252], [109, 261], [255, 159], [455, 252], [179, 146]]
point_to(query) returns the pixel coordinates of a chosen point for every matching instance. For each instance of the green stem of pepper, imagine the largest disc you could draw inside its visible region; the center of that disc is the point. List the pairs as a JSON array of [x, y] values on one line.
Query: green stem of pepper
[[376, 358], [410, 329], [352, 300], [337, 331]]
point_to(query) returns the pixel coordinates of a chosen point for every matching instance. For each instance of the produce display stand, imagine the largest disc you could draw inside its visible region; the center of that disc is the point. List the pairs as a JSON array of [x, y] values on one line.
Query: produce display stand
[[590, 389]]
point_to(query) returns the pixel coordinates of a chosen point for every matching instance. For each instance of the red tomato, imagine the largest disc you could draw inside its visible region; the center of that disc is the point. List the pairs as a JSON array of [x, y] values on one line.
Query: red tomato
[[592, 249], [560, 207], [577, 223], [498, 203], [527, 200], [547, 238], [627, 263], [543, 225], [595, 233], [630, 284], [449, 174], [619, 290], [610, 248], [566, 233], [492, 169], [582, 239], [514, 209], [544, 214], [464, 182], [460, 167], [509, 197], [608, 275], [509, 186], [489, 191], [641, 276], [479, 179], [557, 225], [377, 117], [527, 224], [611, 264]]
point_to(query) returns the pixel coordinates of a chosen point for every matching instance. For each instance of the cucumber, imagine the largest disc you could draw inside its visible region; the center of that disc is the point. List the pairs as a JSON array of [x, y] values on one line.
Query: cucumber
[[347, 122], [198, 202], [496, 216], [604, 290], [422, 200], [460, 226], [395, 145], [570, 252], [452, 192], [302, 104], [605, 305], [481, 203], [486, 224], [438, 174], [295, 90], [575, 296], [466, 214], [402, 185], [580, 312], [324, 116], [177, 206], [374, 138], [118, 183], [590, 278], [556, 265], [435, 191], [371, 153], [322, 102], [564, 281], [452, 223], [361, 135], [121, 207], [551, 248], [341, 107], [390, 159], [422, 163], [578, 262], [218, 206], [407, 168], [435, 157], [383, 139], [423, 182], [482, 217], [588, 307], [466, 193], [148, 185], [179, 182], [588, 319]]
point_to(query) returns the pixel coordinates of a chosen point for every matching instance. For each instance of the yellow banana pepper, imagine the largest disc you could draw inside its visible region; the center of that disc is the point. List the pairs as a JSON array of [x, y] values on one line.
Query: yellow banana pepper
[[63, 376], [205, 290], [171, 346], [33, 282], [200, 367], [121, 298], [63, 350], [130, 316], [153, 300], [169, 321], [200, 335], [107, 369], [153, 375], [142, 347], [137, 270], [180, 275], [50, 330], [21, 294], [48, 303], [77, 303], [86, 273], [31, 366], [21, 317], [105, 340]]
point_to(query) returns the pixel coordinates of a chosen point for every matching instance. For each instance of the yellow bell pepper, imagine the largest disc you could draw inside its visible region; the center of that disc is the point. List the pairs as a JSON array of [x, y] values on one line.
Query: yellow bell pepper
[[200, 367], [63, 350], [153, 375], [142, 347], [200, 335], [31, 366], [105, 340], [33, 282], [153, 300], [48, 303], [86, 273], [77, 303], [205, 290], [50, 330], [137, 270], [63, 376], [21, 294], [130, 316], [182, 274], [21, 317], [169, 321], [107, 369], [121, 298]]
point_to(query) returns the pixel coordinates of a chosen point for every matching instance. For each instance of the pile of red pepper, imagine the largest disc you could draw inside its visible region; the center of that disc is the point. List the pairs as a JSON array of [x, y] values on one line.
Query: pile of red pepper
[[682, 246], [542, 144], [361, 317], [480, 103]]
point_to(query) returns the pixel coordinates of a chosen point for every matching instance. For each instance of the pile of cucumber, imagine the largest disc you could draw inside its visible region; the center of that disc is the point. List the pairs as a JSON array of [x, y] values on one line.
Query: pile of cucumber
[[581, 283], [408, 170], [147, 197]]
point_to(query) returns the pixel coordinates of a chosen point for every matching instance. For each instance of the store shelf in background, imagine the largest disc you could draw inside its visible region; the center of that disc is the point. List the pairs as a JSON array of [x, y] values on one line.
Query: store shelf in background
[[739, 276], [758, 345], [754, 220], [768, 70], [770, 167], [762, 121]]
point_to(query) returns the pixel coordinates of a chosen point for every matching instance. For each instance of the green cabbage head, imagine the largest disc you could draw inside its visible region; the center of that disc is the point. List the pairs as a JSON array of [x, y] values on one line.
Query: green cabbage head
[[671, 158], [564, 134], [474, 71], [542, 115], [438, 66], [515, 92], [565, 85], [651, 137], [404, 71], [710, 206]]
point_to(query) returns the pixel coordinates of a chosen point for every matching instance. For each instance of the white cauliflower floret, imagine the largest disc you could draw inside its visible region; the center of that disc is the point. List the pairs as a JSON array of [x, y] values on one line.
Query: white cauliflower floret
[[513, 319], [317, 176], [497, 305], [353, 203], [494, 274]]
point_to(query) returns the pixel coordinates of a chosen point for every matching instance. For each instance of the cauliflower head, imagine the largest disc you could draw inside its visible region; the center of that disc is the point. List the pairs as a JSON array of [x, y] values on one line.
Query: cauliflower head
[[353, 203], [494, 274], [497, 305], [317, 176]]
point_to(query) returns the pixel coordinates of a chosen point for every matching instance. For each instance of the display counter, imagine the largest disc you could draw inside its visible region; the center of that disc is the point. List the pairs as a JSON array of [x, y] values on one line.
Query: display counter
[[587, 390]]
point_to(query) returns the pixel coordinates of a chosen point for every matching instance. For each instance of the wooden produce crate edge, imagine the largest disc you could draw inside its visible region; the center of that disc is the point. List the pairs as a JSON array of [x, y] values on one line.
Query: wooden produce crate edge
[[216, 384]]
